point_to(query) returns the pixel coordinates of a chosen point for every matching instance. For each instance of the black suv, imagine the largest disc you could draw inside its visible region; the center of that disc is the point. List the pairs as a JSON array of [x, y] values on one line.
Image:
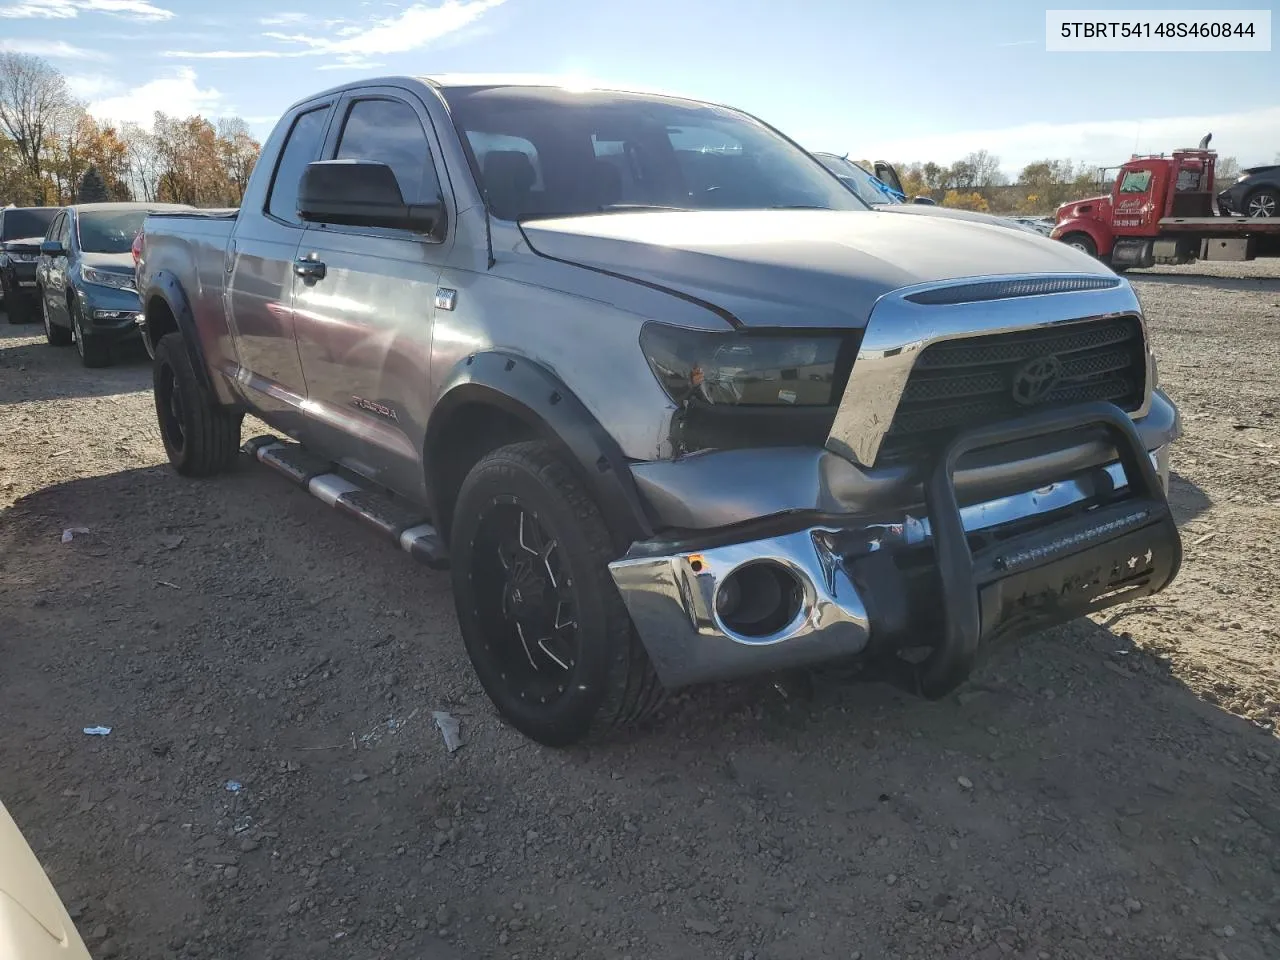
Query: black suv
[[21, 230]]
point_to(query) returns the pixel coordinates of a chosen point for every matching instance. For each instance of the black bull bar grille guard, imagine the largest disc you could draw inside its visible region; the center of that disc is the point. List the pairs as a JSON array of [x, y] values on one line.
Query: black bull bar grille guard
[[1115, 552]]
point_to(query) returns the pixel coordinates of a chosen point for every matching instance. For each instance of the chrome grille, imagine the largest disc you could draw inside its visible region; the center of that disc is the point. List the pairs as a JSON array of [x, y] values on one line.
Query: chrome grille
[[967, 383]]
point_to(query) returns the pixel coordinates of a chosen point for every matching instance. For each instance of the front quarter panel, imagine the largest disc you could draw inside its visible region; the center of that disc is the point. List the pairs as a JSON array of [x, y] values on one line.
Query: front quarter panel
[[589, 339]]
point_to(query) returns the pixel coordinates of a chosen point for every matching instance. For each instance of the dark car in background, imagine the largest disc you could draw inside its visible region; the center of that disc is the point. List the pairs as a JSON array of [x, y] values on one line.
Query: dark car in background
[[86, 287], [1256, 193], [21, 230]]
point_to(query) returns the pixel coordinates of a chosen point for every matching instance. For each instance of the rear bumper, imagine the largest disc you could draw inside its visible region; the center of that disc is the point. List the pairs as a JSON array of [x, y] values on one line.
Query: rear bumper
[[867, 588]]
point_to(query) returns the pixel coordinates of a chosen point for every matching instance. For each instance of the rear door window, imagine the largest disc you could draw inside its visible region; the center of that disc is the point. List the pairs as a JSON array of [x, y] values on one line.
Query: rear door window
[[300, 148]]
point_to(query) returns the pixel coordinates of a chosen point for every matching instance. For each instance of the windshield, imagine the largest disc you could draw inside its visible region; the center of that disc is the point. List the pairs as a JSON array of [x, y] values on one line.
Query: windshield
[[21, 224], [109, 232], [542, 151], [867, 187]]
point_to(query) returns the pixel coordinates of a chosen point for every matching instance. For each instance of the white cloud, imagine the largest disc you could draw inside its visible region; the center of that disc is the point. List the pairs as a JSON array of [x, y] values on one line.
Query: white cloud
[[235, 54], [1249, 135], [350, 65], [178, 95], [411, 29], [53, 49], [70, 9], [88, 86], [280, 19]]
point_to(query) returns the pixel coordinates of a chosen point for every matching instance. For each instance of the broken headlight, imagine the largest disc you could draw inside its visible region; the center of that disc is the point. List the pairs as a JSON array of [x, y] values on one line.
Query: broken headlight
[[744, 369]]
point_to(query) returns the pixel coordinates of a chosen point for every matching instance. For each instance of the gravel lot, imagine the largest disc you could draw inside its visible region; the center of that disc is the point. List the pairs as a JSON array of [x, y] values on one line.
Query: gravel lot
[[1110, 789]]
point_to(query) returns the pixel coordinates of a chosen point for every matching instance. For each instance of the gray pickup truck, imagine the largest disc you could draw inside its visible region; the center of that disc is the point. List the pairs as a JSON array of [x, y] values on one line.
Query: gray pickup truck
[[670, 402]]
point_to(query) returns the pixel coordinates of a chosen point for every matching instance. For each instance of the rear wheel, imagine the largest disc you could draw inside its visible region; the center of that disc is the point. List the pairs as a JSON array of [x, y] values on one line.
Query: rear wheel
[[200, 437], [55, 335], [543, 623], [1263, 203], [1082, 242]]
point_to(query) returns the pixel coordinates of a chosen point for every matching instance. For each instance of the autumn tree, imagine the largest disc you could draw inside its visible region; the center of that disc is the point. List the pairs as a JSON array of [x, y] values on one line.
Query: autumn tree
[[201, 164], [971, 200], [141, 161], [239, 153], [33, 96], [92, 188]]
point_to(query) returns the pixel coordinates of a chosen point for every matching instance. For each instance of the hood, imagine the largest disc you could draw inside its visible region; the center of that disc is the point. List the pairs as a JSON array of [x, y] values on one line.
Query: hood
[[926, 210], [1265, 168], [791, 268], [1072, 207], [109, 262], [25, 245]]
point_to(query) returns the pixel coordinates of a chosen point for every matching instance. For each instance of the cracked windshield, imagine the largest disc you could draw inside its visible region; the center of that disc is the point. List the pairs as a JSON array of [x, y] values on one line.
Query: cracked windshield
[[539, 479]]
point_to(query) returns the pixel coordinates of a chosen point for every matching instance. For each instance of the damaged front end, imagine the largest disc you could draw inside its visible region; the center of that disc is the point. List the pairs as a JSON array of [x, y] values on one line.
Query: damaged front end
[[997, 464]]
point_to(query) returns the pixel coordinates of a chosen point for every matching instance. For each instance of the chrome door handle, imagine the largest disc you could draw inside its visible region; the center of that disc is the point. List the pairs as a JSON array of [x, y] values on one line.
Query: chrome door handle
[[309, 269]]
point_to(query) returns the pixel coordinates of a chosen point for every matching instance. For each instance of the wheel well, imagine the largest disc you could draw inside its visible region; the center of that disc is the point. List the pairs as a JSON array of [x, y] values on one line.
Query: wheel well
[[472, 431], [160, 320]]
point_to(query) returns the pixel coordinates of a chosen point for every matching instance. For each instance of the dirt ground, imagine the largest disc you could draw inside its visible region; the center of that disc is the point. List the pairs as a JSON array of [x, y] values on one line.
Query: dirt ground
[[1107, 790]]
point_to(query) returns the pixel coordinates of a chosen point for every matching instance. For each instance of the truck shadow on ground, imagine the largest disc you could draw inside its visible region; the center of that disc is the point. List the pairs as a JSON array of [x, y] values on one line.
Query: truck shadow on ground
[[244, 606], [1188, 500]]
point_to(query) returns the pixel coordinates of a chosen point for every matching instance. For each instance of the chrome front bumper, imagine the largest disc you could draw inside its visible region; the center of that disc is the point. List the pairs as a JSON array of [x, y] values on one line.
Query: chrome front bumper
[[672, 598]]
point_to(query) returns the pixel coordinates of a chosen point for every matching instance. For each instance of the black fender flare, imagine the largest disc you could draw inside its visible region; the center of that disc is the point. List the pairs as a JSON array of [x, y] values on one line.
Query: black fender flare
[[533, 394], [165, 286]]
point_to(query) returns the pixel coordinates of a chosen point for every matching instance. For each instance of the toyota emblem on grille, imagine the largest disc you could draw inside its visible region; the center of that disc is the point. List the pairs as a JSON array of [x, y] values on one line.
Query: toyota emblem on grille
[[1036, 379]]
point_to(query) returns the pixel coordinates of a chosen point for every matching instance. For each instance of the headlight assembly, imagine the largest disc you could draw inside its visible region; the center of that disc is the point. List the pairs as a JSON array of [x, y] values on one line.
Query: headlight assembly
[[744, 369], [120, 281]]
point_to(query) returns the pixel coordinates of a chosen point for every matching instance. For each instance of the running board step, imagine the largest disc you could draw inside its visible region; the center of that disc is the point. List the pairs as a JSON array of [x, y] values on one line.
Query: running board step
[[399, 523]]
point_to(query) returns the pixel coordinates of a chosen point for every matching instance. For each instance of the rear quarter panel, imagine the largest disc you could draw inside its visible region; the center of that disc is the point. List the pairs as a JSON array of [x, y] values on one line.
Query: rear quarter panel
[[191, 250]]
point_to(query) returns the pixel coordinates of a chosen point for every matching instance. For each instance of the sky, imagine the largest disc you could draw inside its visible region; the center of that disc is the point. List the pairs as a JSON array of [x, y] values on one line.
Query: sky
[[900, 82]]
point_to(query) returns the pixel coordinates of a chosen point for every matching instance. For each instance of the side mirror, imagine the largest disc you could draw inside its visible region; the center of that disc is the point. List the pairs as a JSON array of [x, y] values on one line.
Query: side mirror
[[52, 248], [362, 193], [886, 173], [927, 201]]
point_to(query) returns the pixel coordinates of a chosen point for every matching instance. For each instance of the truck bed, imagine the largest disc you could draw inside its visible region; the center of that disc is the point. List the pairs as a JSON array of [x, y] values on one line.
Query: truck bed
[[1223, 226], [208, 213]]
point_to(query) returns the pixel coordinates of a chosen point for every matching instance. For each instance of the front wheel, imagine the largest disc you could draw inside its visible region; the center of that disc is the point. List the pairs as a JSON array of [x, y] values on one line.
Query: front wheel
[[1263, 203], [200, 437], [93, 351], [545, 628], [55, 335], [1082, 242]]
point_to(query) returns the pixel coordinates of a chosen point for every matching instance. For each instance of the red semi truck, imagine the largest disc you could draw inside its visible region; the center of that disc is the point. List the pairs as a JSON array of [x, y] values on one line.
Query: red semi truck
[[1161, 210]]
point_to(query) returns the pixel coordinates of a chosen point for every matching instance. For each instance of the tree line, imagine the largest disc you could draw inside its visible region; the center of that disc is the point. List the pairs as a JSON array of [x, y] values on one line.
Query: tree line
[[53, 152], [977, 182]]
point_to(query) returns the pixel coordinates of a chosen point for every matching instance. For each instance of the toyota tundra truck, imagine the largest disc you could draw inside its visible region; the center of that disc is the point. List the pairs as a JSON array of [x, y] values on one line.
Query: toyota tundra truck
[[670, 403]]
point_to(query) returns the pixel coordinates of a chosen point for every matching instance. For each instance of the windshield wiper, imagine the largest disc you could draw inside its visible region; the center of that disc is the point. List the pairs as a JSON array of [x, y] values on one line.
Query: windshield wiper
[[799, 206]]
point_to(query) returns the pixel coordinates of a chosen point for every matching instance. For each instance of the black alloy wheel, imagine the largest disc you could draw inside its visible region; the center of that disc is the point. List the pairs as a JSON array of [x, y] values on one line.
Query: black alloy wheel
[[524, 599], [542, 620]]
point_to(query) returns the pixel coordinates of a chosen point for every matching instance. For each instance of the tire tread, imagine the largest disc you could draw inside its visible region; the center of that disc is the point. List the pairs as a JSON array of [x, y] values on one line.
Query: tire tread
[[212, 434], [632, 690]]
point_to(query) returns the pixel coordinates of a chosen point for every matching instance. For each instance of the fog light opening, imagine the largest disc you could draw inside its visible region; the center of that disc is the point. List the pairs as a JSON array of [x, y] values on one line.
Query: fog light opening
[[759, 599]]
